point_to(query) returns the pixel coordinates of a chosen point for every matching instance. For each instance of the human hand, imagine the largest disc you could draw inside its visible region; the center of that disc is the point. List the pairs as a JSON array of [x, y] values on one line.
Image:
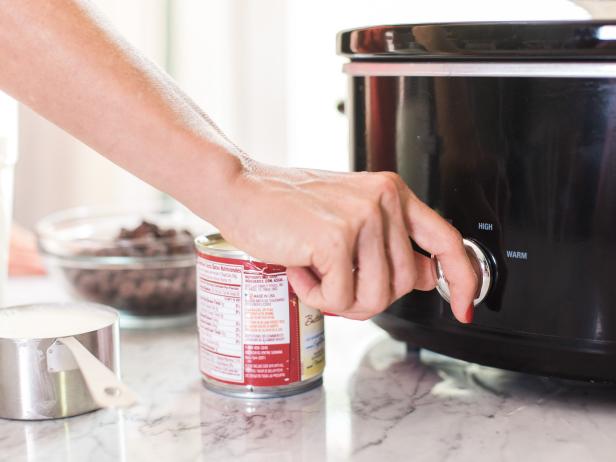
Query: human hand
[[24, 259], [344, 238]]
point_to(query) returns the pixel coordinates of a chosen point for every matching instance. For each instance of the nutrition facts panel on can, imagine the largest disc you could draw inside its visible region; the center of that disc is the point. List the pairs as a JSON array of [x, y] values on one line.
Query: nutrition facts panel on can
[[247, 334], [221, 321]]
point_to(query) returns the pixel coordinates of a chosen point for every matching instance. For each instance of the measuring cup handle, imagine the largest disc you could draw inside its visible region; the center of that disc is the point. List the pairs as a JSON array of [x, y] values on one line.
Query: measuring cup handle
[[105, 387]]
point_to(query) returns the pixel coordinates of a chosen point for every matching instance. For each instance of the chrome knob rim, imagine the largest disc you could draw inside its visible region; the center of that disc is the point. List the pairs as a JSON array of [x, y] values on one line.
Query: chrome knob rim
[[481, 265]]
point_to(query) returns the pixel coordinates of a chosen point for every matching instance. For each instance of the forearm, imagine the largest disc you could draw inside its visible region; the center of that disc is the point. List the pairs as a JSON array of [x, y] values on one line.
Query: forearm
[[64, 62], [343, 237]]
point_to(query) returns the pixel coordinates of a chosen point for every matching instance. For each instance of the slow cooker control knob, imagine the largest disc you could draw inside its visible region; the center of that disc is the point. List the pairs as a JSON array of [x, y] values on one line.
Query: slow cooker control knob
[[481, 264]]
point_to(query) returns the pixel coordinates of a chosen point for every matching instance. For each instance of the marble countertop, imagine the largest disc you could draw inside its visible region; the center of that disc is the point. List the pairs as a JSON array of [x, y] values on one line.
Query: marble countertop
[[378, 402]]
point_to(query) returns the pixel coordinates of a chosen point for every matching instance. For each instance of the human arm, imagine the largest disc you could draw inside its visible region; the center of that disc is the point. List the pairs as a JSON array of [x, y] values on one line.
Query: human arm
[[24, 259], [343, 236]]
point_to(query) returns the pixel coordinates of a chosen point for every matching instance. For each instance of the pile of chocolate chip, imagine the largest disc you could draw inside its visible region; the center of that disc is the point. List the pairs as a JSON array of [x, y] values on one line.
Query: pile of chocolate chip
[[145, 288]]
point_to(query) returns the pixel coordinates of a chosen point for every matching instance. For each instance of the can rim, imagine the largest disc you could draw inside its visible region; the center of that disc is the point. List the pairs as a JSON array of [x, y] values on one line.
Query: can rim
[[205, 242]]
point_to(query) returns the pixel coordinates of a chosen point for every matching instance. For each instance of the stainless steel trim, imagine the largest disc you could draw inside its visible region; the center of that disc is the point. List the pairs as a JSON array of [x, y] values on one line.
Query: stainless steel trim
[[472, 69], [481, 265]]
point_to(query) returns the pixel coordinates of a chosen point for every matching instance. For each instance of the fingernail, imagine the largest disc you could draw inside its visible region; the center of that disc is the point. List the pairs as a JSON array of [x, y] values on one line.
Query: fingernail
[[470, 312], [328, 314]]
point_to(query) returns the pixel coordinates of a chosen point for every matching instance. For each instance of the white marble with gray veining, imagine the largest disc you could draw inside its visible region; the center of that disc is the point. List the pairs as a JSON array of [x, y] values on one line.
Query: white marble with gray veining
[[378, 403]]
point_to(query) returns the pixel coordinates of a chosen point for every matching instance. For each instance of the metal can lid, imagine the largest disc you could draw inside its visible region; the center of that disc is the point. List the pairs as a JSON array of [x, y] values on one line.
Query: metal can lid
[[215, 244]]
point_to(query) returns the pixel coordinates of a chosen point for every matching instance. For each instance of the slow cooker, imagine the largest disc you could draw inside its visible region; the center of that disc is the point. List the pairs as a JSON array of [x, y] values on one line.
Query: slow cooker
[[508, 130]]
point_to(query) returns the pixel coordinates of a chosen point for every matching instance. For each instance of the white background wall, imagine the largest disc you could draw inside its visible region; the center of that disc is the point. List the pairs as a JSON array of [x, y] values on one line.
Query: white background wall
[[229, 55], [265, 70]]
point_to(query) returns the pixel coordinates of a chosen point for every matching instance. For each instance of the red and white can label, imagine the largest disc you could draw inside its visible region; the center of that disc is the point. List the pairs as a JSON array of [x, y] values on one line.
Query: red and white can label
[[249, 325]]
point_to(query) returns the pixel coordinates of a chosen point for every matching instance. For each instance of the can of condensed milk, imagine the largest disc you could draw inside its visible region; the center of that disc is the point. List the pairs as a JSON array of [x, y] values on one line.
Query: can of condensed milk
[[256, 339]]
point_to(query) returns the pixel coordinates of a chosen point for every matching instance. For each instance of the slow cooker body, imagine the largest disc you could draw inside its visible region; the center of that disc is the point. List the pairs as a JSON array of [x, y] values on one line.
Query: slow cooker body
[[522, 160]]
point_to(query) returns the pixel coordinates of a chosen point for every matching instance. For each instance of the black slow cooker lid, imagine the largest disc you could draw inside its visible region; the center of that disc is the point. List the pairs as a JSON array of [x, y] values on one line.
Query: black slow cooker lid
[[560, 41]]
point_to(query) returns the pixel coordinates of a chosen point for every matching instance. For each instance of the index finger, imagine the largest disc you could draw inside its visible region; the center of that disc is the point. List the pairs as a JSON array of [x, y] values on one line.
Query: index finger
[[435, 235]]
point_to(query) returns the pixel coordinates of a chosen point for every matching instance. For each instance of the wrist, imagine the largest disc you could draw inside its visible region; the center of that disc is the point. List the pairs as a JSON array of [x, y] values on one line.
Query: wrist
[[215, 187]]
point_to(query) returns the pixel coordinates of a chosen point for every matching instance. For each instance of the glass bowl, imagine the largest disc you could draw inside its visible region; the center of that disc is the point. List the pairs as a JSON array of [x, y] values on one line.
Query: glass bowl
[[141, 262]]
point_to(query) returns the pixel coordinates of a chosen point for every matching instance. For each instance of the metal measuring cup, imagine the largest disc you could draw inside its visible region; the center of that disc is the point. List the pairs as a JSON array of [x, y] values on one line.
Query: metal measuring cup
[[48, 377]]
